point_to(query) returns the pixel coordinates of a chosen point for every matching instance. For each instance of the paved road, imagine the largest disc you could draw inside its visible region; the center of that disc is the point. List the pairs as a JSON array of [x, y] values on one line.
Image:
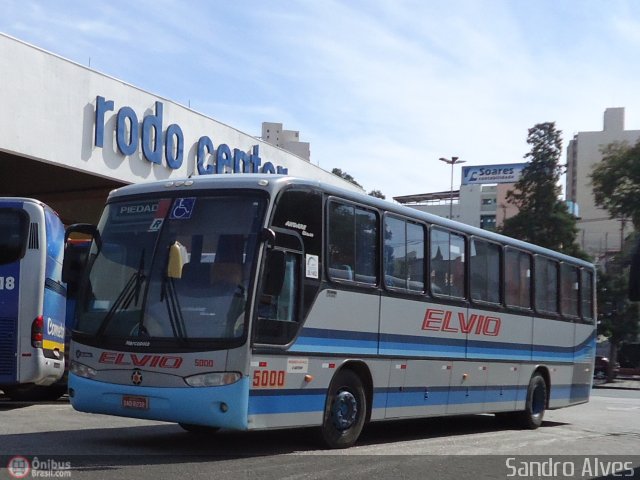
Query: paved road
[[108, 447]]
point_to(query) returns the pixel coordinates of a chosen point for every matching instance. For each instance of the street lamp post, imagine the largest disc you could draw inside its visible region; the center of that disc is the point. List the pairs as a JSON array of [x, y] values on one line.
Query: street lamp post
[[452, 161]]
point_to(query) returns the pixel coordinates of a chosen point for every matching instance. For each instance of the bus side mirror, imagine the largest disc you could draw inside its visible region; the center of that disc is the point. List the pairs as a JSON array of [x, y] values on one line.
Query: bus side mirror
[[177, 258], [269, 237], [85, 229], [74, 261], [274, 278], [634, 275]]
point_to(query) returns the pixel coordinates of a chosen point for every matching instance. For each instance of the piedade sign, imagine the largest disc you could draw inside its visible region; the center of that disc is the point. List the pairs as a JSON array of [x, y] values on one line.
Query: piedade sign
[[159, 145]]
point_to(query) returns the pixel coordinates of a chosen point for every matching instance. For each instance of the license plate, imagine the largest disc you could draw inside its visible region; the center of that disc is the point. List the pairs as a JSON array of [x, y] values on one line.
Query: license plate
[[137, 403]]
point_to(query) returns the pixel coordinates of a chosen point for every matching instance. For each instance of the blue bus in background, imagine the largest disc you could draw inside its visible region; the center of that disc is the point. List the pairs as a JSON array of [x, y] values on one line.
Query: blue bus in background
[[33, 301]]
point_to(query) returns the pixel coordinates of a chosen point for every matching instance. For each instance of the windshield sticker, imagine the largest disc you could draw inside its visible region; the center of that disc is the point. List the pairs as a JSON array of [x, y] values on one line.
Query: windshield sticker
[[135, 211], [160, 214], [299, 226], [156, 224], [183, 208], [312, 266]]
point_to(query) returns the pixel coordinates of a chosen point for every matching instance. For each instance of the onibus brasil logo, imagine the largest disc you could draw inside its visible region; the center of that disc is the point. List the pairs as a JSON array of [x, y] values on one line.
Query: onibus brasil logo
[[22, 467]]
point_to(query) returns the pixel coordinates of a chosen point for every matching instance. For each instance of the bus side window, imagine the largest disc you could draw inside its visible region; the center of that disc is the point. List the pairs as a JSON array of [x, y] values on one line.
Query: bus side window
[[278, 305], [485, 271], [352, 243], [586, 296], [341, 251], [447, 263], [546, 282], [569, 289], [517, 278], [403, 255], [282, 305]]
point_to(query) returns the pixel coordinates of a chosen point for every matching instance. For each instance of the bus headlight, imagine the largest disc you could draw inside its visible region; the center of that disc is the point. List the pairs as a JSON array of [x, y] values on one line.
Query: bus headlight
[[82, 370], [213, 379]]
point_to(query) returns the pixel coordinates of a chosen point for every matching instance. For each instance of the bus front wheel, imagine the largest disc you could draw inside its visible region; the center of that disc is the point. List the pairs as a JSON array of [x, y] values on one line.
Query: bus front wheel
[[535, 406], [345, 410]]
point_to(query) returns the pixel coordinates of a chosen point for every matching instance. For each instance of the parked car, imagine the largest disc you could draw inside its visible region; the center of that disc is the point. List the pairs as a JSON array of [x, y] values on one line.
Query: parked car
[[629, 358], [600, 369]]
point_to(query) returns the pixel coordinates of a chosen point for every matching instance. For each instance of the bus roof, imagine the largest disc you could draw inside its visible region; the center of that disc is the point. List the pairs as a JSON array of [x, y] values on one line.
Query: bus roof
[[32, 201], [272, 183], [22, 200]]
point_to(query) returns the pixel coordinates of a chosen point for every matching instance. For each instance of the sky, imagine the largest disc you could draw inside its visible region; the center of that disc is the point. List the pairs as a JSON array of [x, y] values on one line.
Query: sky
[[380, 88]]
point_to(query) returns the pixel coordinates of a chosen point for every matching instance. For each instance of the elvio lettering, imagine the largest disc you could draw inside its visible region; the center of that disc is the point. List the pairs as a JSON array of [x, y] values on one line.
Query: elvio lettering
[[445, 321]]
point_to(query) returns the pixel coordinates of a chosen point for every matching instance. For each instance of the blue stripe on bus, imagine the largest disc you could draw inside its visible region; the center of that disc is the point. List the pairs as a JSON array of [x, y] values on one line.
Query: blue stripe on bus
[[269, 402], [343, 341], [335, 341], [394, 344]]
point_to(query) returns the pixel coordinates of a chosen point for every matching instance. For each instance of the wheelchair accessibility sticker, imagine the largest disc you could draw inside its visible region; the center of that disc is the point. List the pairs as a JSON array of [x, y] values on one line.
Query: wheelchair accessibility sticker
[[183, 208]]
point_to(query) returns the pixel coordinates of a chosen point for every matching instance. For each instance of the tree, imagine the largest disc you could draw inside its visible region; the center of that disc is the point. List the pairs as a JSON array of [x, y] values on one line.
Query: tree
[[542, 218], [346, 176], [377, 194], [616, 188], [616, 181], [617, 316]]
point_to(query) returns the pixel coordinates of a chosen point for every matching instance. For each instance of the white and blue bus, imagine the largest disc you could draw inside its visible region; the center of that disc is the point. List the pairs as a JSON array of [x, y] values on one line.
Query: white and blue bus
[[32, 300], [264, 301]]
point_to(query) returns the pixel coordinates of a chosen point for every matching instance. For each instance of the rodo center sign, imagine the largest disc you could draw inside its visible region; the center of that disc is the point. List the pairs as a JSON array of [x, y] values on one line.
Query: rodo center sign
[[167, 146]]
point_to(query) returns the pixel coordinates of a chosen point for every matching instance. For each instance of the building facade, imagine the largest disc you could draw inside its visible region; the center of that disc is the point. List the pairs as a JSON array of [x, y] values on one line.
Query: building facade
[[70, 134], [289, 140], [481, 200], [598, 234]]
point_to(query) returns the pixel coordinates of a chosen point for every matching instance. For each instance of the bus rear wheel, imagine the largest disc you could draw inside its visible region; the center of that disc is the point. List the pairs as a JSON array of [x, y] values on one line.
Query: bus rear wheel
[[345, 410], [532, 415]]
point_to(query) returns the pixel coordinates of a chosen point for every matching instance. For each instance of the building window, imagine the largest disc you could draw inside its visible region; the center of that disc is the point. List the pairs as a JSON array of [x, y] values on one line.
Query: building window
[[488, 222]]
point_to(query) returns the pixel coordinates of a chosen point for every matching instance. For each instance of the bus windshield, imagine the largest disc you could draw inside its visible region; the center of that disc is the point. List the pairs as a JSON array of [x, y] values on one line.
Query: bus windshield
[[129, 293]]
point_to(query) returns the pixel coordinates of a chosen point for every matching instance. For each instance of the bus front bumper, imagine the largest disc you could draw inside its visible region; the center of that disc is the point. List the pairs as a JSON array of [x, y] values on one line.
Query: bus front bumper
[[224, 406]]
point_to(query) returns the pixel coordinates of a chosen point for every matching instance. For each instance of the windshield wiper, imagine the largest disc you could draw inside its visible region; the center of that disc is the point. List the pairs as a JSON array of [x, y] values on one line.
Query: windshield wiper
[[173, 308], [174, 312], [129, 293]]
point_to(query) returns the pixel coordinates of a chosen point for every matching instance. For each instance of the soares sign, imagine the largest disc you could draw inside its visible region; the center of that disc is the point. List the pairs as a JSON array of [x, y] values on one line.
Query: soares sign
[[160, 145]]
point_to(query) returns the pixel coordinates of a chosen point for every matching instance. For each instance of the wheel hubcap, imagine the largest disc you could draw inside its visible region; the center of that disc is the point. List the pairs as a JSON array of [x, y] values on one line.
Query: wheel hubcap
[[537, 402], [344, 410]]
